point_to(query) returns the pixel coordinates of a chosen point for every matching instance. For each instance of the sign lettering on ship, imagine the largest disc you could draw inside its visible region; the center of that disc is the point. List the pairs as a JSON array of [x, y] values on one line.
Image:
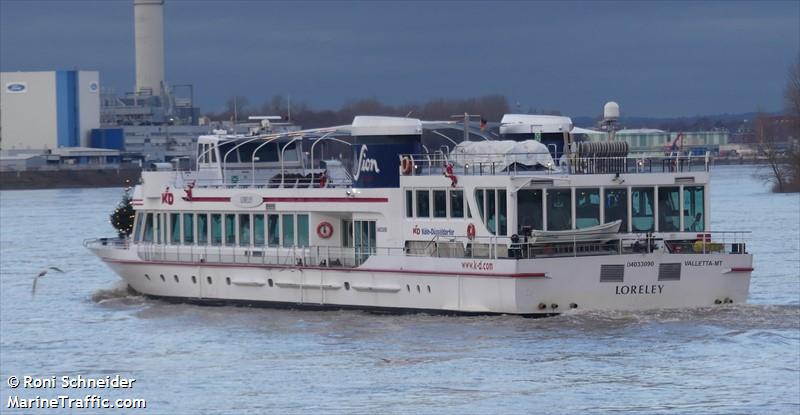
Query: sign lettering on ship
[[432, 231], [247, 200], [378, 164]]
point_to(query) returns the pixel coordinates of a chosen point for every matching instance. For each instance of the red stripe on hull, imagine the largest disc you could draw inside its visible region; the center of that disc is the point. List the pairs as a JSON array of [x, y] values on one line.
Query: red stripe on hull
[[399, 271], [326, 199]]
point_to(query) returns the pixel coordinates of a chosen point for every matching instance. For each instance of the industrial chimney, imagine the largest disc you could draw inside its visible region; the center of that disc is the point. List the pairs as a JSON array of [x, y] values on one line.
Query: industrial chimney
[[149, 29]]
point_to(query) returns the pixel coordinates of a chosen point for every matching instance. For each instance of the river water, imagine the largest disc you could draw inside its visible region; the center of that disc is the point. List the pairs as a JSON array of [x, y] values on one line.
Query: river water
[[743, 358]]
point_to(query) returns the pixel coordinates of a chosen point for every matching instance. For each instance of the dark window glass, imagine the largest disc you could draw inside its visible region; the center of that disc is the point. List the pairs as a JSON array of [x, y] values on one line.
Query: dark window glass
[[216, 229], [137, 233], [148, 228], [288, 230], [409, 204], [479, 202], [202, 228], [502, 212], [491, 213], [188, 228], [456, 203], [587, 208], [230, 229], [617, 207], [244, 229], [642, 209], [693, 209], [440, 203], [559, 209], [258, 230], [273, 230], [529, 209], [669, 213], [423, 204], [175, 227], [302, 230]]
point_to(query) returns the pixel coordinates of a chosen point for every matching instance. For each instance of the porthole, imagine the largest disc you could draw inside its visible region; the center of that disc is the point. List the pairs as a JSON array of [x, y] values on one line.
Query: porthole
[[194, 279], [418, 290], [162, 278], [347, 285], [209, 280], [228, 280], [269, 281], [176, 278], [429, 288], [148, 277], [408, 288]]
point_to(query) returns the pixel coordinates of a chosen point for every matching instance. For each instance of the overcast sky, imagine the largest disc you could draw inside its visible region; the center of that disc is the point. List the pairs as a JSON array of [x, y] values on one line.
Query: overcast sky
[[654, 58]]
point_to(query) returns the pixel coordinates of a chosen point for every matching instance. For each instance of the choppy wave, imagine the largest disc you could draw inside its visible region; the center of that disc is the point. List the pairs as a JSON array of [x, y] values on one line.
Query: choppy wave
[[120, 293]]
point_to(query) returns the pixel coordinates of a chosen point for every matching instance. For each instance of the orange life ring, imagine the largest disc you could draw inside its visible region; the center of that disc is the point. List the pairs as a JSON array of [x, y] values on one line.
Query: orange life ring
[[406, 166], [471, 231], [324, 230]]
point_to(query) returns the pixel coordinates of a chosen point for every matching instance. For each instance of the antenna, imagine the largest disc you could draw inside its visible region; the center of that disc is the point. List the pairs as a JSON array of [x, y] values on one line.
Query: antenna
[[466, 116]]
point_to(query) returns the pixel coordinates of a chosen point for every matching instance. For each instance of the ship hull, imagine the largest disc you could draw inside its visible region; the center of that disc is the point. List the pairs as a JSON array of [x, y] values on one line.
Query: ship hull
[[543, 286]]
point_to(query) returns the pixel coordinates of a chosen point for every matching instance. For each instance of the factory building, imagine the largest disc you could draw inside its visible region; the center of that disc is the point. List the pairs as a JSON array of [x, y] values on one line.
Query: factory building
[[48, 109]]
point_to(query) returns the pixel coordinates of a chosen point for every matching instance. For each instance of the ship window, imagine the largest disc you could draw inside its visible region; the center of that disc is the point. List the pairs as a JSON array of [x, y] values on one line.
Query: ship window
[[587, 208], [423, 204], [347, 235], [273, 230], [258, 230], [365, 239], [302, 230], [244, 229], [216, 229], [175, 227], [202, 228], [479, 202], [230, 229], [409, 204], [137, 233], [529, 210], [669, 209], [616, 207], [213, 152], [188, 228], [501, 212], [148, 228], [288, 230], [440, 203], [642, 209], [491, 220], [456, 204], [693, 214], [559, 209], [159, 228]]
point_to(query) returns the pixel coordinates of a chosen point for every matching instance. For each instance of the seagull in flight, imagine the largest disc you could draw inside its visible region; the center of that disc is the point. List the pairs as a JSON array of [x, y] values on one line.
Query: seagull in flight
[[42, 273]]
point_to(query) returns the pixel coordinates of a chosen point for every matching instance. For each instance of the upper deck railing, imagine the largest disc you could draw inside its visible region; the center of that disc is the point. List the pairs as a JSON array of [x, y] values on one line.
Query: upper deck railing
[[510, 164]]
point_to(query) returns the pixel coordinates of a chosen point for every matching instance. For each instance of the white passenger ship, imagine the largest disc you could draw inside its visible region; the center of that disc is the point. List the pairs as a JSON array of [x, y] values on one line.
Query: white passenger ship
[[531, 223]]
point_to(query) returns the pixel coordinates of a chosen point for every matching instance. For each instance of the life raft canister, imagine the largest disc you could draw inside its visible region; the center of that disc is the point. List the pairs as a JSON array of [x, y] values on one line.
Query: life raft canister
[[471, 231], [324, 230], [406, 166]]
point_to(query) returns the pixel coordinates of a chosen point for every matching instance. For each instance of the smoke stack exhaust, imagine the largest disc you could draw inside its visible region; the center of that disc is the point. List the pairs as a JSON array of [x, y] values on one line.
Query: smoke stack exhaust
[[149, 36]]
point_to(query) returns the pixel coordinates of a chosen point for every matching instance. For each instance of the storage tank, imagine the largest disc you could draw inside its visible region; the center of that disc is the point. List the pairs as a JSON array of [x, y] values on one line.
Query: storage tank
[[149, 37]]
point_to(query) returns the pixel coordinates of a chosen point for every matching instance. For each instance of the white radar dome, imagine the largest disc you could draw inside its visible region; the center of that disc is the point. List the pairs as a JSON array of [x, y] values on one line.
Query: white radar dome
[[611, 110]]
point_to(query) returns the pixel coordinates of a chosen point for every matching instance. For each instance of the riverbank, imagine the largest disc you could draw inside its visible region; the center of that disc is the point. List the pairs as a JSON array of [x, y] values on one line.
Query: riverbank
[[64, 179]]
